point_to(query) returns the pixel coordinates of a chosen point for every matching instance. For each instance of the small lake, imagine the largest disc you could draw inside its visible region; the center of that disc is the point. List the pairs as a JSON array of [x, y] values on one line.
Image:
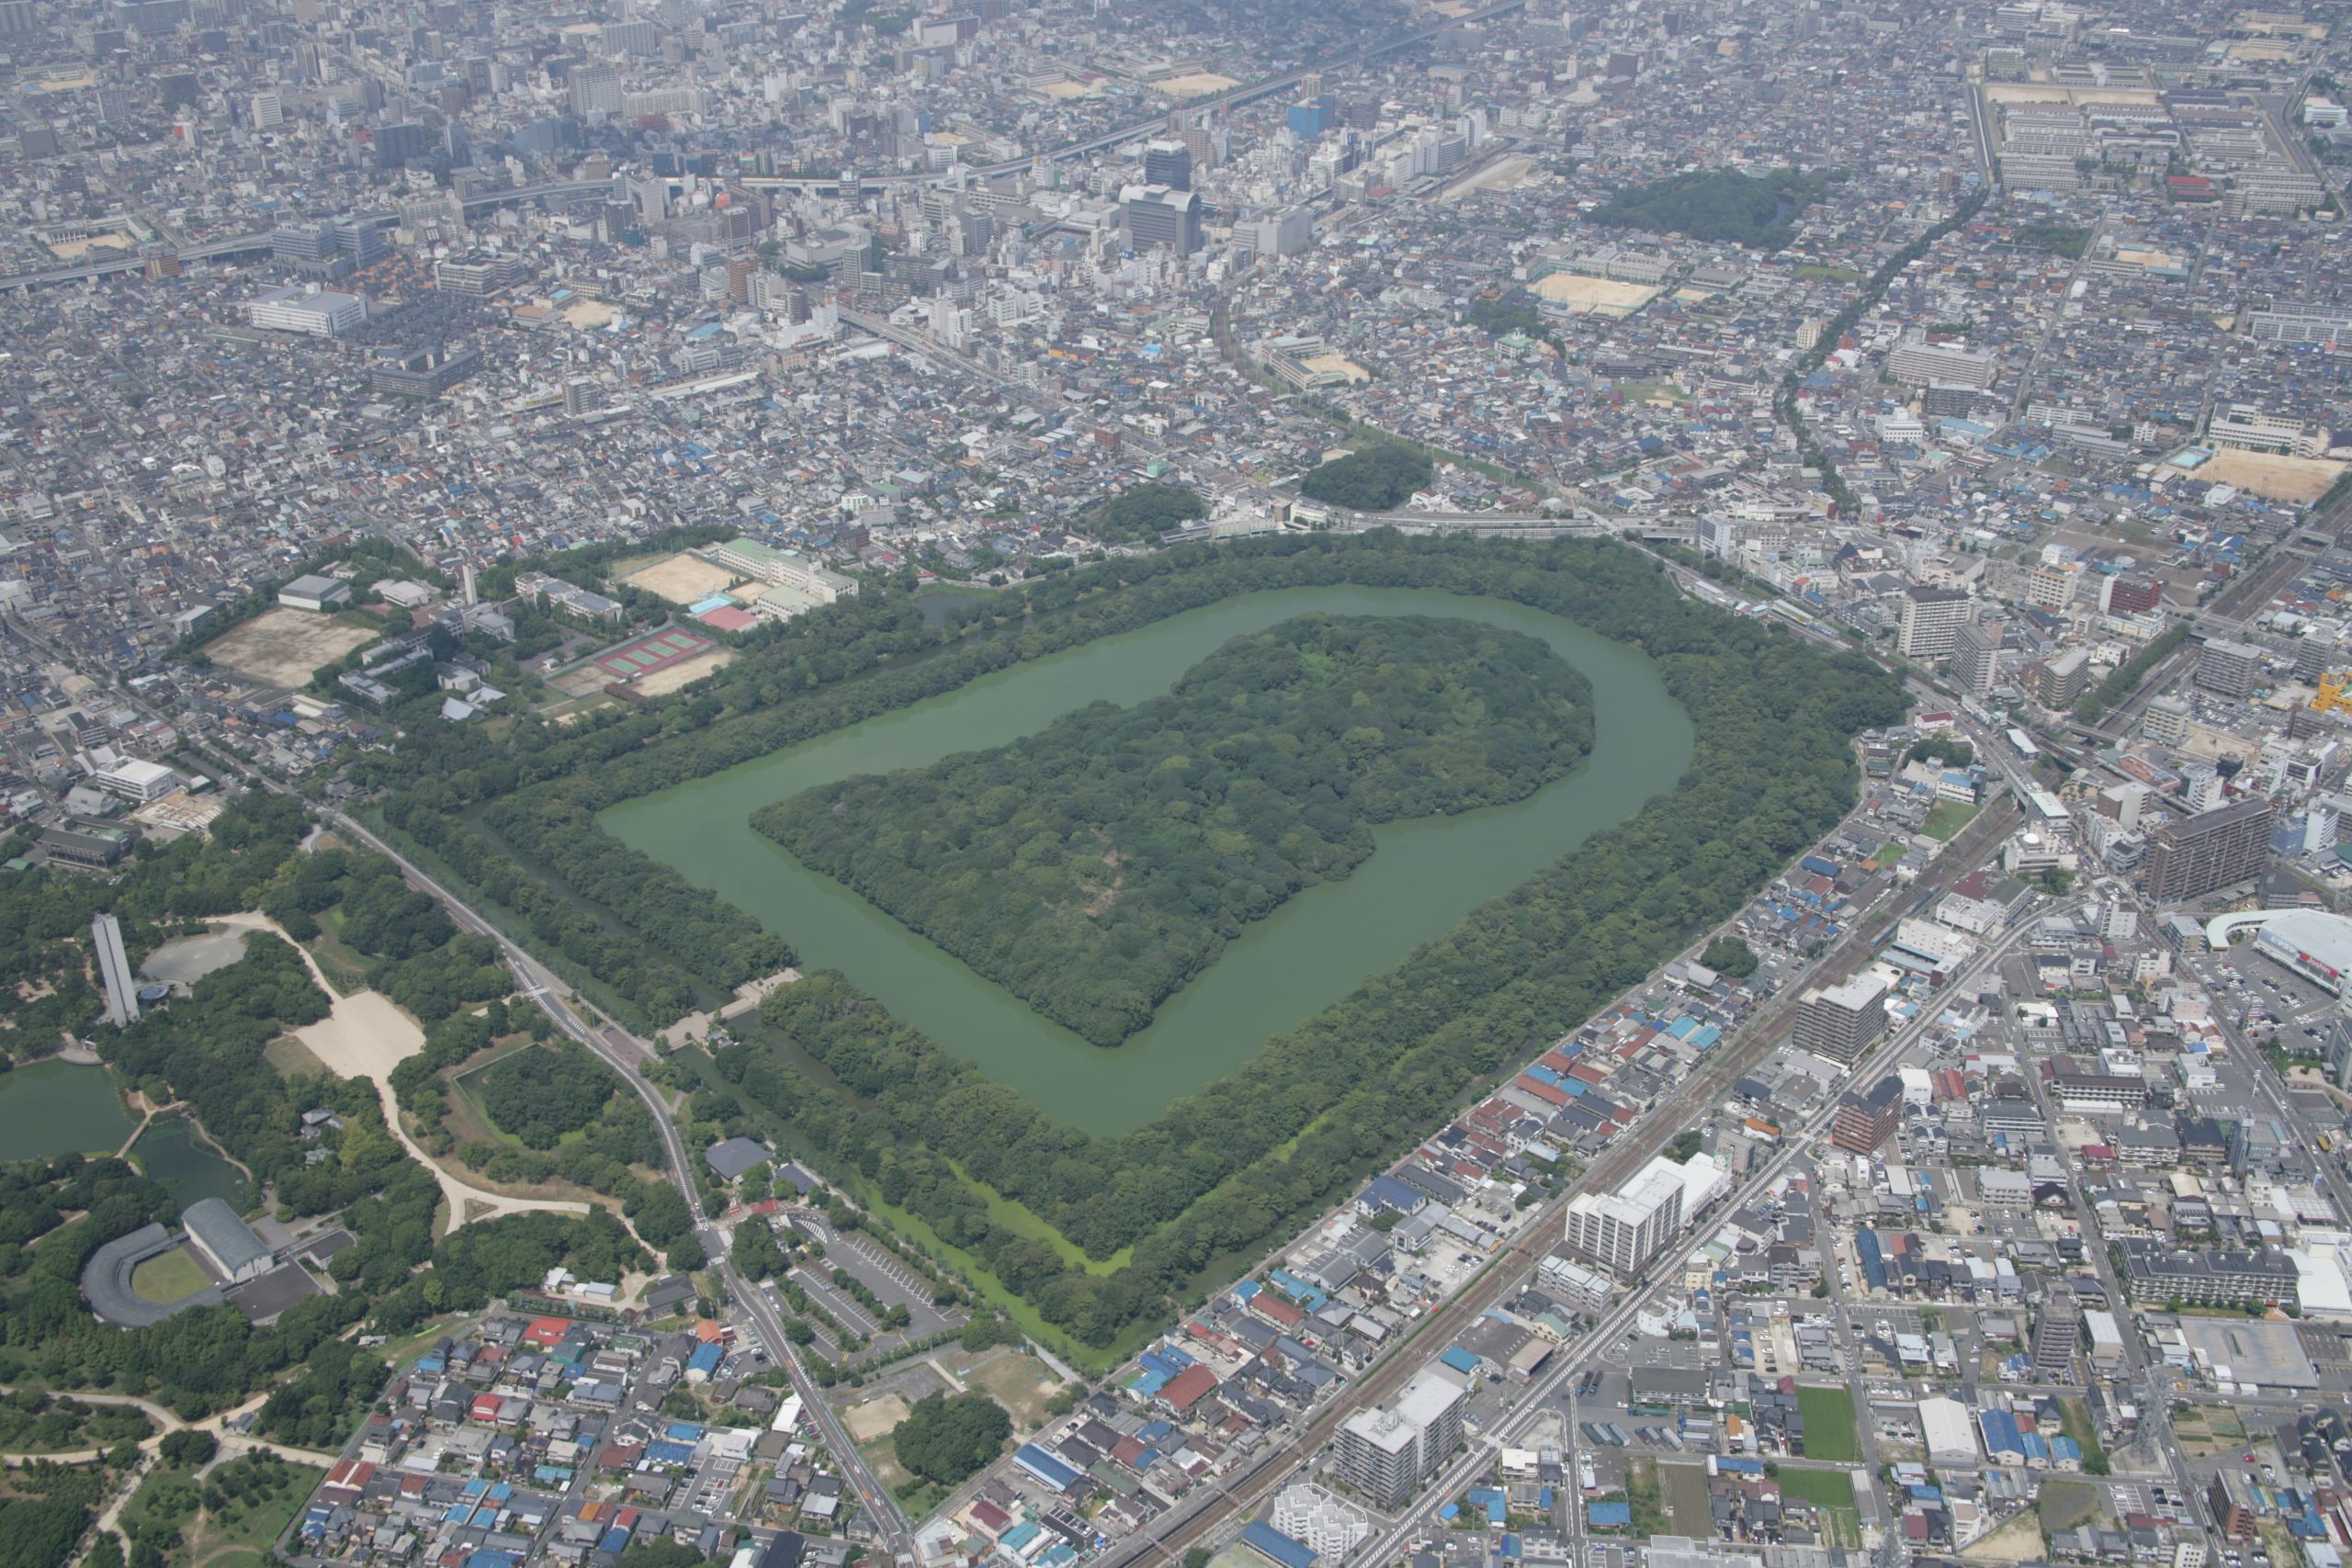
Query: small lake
[[51, 1108], [1425, 877], [185, 960], [173, 1157]]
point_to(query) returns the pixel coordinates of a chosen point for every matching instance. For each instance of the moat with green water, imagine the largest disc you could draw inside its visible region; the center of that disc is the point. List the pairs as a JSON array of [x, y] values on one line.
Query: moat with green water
[[1425, 877]]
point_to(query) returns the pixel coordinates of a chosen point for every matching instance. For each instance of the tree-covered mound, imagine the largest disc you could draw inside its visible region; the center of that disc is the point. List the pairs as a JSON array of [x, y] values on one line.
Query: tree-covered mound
[[1096, 868], [1143, 512], [1717, 204], [1378, 478]]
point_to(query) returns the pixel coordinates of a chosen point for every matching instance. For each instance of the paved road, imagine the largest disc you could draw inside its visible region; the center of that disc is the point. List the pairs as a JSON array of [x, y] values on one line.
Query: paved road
[[1191, 1522], [625, 1054], [1899, 1052]]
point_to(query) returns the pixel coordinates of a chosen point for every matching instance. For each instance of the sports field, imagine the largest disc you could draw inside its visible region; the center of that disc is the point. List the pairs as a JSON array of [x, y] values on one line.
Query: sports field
[[168, 1277], [657, 651], [285, 646]]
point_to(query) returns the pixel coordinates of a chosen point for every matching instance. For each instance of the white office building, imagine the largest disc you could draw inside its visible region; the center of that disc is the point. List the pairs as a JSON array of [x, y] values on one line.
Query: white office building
[[1623, 1230], [1385, 1454], [317, 312]]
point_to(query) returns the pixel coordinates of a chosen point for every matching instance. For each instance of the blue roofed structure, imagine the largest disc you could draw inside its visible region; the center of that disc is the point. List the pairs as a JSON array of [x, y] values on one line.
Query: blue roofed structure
[[1277, 1548]]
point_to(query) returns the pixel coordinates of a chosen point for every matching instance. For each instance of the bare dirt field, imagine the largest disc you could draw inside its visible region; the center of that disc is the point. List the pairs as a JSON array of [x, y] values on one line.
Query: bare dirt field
[[682, 579], [1065, 91], [2051, 93], [661, 683], [2302, 479], [1504, 175], [285, 646], [1338, 365], [875, 1417], [1602, 296], [1199, 85]]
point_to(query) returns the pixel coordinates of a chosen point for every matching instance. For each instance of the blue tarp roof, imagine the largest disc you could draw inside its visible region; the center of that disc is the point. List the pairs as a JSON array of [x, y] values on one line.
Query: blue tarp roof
[[1276, 1546], [1602, 1516]]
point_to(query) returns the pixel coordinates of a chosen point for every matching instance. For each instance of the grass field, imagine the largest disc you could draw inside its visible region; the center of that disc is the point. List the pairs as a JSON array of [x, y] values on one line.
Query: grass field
[[1831, 1492], [2079, 1427], [2064, 1505], [1822, 1488], [1023, 1221], [168, 1277], [293, 1059], [1022, 1385], [242, 1534], [1829, 1429], [1947, 817], [344, 969]]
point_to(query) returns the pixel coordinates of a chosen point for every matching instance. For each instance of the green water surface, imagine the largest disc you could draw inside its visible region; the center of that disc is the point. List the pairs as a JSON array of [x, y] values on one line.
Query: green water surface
[[169, 1152], [51, 1108], [1425, 877]]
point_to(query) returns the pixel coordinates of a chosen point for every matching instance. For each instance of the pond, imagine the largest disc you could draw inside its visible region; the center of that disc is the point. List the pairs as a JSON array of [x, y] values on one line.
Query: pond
[[1424, 878], [51, 1108], [174, 1156]]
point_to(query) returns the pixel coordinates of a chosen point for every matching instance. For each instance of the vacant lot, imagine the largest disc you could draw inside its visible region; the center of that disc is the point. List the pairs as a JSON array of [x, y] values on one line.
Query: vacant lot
[[682, 579], [875, 1417], [2065, 1505], [1945, 818], [169, 1277], [1830, 1431], [1684, 1488], [285, 647]]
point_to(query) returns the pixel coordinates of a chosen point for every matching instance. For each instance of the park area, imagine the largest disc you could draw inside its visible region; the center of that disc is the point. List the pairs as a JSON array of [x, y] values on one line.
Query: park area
[[283, 647]]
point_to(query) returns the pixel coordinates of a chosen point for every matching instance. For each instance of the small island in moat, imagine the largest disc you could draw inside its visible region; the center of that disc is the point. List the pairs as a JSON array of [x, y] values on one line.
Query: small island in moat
[[1094, 868]]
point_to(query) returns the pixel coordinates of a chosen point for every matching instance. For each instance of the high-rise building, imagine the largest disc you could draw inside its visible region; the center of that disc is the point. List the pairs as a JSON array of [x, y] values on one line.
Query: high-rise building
[[1976, 657], [2055, 1334], [1159, 217], [1385, 1454], [595, 92], [2213, 848], [1931, 620], [2233, 668], [268, 112], [580, 397], [1168, 163], [1839, 1023], [114, 970], [1623, 1230], [2131, 595], [2065, 677], [1868, 1118]]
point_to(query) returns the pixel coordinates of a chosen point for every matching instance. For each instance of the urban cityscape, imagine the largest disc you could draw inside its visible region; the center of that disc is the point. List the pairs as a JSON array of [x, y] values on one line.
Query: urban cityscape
[[1020, 783]]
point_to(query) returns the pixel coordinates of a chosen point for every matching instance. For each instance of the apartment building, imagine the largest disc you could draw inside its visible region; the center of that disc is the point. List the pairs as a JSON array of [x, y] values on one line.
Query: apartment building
[[1623, 1230], [2190, 858], [1931, 620], [1839, 1023], [1387, 1453]]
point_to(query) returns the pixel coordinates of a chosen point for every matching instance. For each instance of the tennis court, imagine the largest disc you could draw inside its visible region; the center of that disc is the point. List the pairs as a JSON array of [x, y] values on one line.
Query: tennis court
[[656, 651]]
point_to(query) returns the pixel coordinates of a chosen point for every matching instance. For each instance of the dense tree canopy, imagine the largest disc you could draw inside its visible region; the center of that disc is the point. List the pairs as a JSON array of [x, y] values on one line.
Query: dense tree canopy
[[1323, 1103], [1717, 204], [1094, 868], [541, 1093], [1143, 513], [947, 1439], [1379, 478]]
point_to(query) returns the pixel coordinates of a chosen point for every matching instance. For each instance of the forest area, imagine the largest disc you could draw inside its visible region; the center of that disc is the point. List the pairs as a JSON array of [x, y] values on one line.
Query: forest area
[[1757, 210], [1324, 1103], [206, 1049], [1096, 867]]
